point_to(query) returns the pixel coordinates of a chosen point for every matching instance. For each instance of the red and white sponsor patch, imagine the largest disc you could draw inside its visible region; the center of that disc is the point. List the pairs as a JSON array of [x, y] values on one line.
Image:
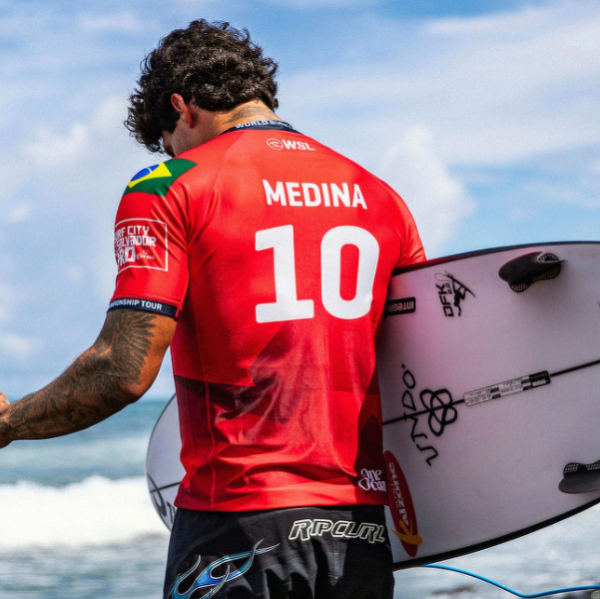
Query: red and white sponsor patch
[[401, 507], [141, 243]]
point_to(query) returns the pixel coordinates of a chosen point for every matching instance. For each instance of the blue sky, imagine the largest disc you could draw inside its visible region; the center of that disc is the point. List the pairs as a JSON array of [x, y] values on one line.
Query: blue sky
[[483, 115]]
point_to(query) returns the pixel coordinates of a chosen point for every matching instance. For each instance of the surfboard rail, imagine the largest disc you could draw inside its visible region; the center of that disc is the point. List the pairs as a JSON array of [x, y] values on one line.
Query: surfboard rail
[[485, 252]]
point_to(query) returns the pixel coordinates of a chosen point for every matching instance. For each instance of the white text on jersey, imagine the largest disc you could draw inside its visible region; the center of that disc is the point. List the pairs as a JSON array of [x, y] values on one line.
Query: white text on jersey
[[289, 144], [310, 194]]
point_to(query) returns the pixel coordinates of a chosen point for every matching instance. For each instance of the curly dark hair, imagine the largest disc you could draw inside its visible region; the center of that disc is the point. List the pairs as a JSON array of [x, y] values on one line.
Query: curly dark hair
[[211, 63]]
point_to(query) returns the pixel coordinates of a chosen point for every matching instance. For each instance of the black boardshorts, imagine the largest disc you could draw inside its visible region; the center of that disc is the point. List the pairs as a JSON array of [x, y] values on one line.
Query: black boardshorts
[[340, 552]]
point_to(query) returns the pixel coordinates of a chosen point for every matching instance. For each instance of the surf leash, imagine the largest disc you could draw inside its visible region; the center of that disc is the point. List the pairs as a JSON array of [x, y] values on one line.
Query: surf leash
[[591, 587]]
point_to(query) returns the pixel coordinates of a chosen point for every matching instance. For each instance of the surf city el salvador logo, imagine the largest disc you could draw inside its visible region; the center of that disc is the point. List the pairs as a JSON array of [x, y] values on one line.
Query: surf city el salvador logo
[[208, 579]]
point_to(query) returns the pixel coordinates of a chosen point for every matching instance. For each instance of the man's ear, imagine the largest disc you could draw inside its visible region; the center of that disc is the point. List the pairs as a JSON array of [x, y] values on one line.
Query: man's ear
[[187, 111]]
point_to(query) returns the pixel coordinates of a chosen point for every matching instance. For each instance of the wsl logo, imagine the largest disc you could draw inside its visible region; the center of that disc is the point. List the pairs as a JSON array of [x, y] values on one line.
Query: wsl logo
[[216, 575], [289, 144], [401, 507]]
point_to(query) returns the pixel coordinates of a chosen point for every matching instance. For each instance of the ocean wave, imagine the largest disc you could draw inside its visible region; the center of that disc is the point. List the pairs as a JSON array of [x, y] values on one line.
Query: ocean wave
[[96, 511], [62, 461]]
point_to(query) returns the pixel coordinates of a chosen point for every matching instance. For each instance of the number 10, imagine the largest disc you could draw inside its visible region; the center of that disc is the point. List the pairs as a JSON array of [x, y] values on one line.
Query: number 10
[[287, 306]]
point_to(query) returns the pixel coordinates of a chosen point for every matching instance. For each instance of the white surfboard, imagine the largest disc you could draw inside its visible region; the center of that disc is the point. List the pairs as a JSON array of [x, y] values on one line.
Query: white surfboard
[[489, 367], [164, 470], [491, 400]]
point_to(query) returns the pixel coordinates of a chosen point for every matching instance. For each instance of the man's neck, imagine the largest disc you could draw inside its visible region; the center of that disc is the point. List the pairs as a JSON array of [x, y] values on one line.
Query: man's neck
[[197, 126], [251, 111], [255, 110]]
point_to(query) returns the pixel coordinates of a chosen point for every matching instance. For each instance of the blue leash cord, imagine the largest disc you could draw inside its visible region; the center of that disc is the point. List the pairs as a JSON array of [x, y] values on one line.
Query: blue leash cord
[[504, 588]]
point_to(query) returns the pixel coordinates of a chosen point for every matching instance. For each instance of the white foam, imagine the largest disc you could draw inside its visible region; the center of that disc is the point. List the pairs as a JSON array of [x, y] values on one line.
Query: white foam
[[96, 511]]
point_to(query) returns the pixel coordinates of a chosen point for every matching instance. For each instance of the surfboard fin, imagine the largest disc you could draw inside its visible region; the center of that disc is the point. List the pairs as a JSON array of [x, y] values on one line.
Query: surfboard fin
[[580, 478], [525, 270]]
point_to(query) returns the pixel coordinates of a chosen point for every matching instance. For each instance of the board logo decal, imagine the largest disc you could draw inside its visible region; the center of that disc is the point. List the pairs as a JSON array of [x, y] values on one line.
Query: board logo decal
[[440, 407], [523, 383], [165, 509], [401, 507], [452, 293], [432, 403], [396, 307], [207, 579]]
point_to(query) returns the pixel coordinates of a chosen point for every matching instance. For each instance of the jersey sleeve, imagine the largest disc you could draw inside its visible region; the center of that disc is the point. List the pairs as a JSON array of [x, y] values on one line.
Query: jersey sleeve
[[412, 250], [150, 241], [412, 247]]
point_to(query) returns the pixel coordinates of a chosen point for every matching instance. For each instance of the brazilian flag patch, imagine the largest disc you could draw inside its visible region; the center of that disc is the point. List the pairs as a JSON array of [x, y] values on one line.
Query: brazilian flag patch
[[157, 179]]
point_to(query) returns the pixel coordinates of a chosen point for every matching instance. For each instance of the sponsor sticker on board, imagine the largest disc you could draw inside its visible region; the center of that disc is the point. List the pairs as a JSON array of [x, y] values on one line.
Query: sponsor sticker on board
[[407, 305], [452, 293], [401, 507]]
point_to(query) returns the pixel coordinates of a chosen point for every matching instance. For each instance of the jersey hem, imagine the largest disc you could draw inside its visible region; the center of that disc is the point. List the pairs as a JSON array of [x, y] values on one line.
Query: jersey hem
[[279, 500]]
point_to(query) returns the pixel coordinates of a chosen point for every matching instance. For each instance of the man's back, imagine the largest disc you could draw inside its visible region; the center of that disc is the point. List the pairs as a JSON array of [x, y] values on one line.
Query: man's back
[[279, 254]]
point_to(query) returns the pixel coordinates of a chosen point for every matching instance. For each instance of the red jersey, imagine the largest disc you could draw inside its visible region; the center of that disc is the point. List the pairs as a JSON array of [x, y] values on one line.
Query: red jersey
[[274, 252]]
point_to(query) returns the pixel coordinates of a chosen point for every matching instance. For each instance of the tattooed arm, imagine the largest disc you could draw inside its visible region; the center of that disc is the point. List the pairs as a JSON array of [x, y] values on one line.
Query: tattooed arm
[[116, 371]]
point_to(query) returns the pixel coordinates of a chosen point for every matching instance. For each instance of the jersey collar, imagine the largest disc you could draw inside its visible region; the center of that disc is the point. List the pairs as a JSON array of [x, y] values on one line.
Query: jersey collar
[[262, 125]]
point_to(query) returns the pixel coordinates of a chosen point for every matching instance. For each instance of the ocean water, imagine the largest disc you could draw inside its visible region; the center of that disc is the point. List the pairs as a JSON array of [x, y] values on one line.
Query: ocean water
[[76, 521]]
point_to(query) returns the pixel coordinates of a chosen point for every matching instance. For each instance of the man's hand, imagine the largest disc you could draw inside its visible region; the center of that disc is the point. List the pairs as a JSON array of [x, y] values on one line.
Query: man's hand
[[116, 371], [4, 406]]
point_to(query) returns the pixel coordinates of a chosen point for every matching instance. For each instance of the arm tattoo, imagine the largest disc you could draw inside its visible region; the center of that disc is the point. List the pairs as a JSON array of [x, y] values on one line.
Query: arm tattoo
[[99, 383]]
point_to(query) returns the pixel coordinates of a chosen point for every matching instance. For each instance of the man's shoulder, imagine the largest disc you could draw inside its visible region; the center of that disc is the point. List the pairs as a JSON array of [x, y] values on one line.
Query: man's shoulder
[[158, 179]]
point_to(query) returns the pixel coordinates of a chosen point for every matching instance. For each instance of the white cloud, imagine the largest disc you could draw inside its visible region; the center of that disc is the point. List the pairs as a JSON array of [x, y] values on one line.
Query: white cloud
[[12, 173], [51, 149], [437, 199], [57, 242], [513, 24], [320, 4], [20, 348], [8, 300], [74, 273], [495, 89], [94, 142], [18, 213], [92, 161], [124, 21]]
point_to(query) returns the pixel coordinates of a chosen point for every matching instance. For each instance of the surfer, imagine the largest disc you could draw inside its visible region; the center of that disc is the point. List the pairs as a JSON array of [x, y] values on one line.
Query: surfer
[[460, 293], [262, 258]]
